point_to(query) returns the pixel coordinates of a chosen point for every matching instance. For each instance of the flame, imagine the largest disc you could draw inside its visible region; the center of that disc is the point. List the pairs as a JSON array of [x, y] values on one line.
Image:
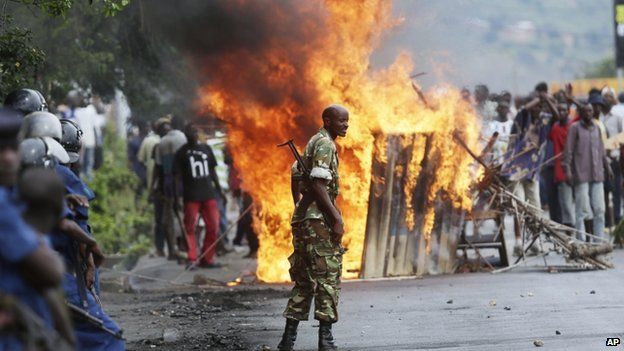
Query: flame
[[331, 64], [235, 282]]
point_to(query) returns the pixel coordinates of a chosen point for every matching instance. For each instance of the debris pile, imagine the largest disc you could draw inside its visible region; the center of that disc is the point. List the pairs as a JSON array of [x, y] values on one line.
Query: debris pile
[[494, 193]]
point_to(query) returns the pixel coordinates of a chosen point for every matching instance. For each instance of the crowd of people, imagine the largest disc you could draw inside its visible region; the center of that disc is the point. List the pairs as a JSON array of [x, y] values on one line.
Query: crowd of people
[[177, 166], [49, 259], [559, 152]]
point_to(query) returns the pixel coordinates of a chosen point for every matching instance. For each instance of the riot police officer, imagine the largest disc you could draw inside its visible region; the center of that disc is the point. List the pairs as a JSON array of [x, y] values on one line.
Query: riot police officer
[[82, 281], [26, 101], [23, 250]]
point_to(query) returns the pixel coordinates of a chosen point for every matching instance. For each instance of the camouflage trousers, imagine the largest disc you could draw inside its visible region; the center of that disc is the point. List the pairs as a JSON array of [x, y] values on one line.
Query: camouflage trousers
[[315, 268]]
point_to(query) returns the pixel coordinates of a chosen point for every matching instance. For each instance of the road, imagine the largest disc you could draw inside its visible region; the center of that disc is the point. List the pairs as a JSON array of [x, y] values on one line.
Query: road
[[475, 311], [471, 311]]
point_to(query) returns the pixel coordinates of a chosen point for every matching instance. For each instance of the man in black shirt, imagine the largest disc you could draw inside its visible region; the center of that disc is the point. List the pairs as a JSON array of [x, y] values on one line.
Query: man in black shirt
[[195, 168]]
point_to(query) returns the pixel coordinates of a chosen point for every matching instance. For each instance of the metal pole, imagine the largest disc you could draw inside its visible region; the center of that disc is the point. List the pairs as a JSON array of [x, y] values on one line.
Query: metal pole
[[619, 72]]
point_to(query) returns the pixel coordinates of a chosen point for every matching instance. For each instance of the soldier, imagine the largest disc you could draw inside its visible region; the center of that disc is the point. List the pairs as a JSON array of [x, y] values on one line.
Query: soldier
[[29, 270], [41, 192], [82, 287], [71, 237], [316, 262]]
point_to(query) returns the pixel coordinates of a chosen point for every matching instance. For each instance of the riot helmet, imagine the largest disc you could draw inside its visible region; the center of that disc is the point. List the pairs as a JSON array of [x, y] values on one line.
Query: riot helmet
[[72, 139], [41, 124], [42, 152], [26, 101]]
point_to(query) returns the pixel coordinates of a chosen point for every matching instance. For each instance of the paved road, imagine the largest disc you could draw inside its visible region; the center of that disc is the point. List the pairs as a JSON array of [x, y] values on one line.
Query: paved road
[[415, 314]]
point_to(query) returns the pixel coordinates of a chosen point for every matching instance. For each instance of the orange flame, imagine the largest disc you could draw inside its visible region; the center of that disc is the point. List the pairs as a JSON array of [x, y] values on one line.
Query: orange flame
[[235, 282], [330, 65]]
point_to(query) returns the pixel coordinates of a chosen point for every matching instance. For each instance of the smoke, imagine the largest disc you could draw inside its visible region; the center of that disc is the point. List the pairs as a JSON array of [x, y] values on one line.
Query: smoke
[[258, 49]]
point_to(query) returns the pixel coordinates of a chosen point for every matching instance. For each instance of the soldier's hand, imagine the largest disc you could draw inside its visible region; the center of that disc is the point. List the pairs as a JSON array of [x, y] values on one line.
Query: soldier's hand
[[75, 200], [90, 277], [98, 256], [338, 227], [337, 239]]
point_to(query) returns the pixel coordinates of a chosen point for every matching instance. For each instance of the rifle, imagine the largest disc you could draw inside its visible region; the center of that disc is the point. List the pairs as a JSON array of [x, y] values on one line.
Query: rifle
[[308, 196], [29, 328], [295, 152], [80, 314]]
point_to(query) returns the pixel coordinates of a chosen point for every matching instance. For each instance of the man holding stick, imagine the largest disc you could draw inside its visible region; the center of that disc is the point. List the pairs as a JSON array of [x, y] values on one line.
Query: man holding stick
[[528, 137], [316, 262]]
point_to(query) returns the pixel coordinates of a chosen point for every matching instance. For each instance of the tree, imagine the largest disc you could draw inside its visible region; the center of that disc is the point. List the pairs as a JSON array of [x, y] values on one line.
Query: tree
[[601, 69], [86, 48], [21, 60]]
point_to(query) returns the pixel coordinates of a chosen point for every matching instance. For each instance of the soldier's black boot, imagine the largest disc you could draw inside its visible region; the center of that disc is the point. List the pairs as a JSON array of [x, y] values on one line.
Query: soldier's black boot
[[289, 336], [326, 339]]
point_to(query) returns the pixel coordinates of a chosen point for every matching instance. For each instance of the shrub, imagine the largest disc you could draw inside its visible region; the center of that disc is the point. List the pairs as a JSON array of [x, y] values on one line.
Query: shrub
[[121, 219]]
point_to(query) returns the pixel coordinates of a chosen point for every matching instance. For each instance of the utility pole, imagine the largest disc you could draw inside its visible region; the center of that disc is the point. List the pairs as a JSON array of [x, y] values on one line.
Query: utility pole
[[618, 17]]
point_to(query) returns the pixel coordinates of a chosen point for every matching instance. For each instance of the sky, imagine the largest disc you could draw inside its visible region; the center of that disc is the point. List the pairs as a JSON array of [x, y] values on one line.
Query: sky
[[509, 44]]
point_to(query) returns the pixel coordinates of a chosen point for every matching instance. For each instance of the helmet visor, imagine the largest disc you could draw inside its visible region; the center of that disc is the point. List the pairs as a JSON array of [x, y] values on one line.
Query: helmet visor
[[55, 149]]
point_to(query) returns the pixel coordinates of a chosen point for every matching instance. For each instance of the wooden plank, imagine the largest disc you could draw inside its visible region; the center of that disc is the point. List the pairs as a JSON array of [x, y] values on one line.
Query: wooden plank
[[377, 188], [384, 222], [483, 215], [399, 227], [443, 251], [392, 249]]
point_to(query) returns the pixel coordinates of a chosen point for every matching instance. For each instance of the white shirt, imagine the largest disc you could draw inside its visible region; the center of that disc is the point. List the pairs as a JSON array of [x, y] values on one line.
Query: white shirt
[[502, 141], [614, 125], [618, 109], [86, 117]]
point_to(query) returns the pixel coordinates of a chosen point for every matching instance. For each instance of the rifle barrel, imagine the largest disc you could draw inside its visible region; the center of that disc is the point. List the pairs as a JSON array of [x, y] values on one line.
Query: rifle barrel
[[81, 314], [295, 152]]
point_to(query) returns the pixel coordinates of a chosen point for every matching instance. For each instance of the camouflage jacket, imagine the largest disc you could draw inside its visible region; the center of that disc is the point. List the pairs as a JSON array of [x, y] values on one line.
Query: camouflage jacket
[[321, 158]]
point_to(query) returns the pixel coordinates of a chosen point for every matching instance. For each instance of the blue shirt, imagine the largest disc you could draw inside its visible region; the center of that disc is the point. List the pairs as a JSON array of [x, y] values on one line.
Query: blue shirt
[[138, 168], [73, 185], [67, 247], [17, 241], [62, 243]]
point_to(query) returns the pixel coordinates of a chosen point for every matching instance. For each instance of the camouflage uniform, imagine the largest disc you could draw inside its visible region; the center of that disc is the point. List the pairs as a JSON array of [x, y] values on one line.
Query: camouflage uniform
[[316, 263]]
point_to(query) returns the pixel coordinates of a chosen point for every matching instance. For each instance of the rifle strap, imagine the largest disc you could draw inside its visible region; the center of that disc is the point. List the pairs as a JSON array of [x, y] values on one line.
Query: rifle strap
[[308, 197]]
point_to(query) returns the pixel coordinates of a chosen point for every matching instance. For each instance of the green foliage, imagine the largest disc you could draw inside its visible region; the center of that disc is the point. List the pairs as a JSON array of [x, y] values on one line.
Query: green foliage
[[88, 49], [35, 52], [112, 7], [19, 60], [121, 220], [59, 8], [604, 68], [51, 7]]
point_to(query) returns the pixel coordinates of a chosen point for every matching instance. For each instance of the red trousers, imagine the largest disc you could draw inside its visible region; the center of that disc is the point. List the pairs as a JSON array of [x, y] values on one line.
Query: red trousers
[[210, 213]]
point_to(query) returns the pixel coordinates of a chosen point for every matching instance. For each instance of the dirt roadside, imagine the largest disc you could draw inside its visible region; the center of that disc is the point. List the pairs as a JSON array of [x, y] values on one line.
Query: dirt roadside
[[161, 307], [188, 319]]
